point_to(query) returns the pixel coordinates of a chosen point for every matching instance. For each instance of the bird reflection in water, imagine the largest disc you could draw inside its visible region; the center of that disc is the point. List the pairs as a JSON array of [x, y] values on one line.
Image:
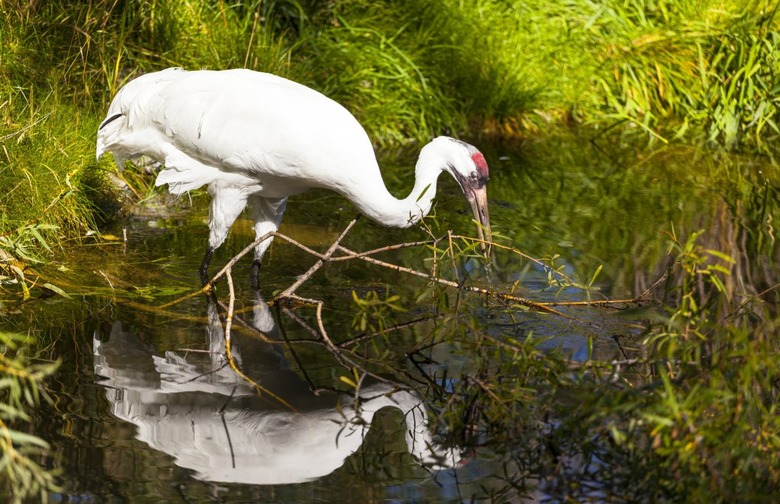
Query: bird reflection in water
[[198, 410]]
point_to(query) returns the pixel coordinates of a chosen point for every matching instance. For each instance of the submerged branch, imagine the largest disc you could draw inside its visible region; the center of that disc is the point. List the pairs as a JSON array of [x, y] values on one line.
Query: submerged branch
[[366, 256]]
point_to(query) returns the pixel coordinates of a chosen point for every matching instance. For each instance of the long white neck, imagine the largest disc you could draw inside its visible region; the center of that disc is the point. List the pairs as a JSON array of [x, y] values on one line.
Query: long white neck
[[418, 436], [379, 205]]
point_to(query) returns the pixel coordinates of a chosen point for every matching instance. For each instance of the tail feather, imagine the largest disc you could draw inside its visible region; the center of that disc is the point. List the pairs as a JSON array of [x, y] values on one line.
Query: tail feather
[[137, 125], [183, 173]]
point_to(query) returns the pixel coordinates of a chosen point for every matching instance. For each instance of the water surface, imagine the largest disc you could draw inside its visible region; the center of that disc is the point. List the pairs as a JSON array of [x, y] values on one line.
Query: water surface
[[147, 409]]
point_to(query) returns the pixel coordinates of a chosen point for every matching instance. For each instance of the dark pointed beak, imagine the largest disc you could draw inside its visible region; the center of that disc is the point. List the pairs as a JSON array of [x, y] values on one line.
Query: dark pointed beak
[[477, 198]]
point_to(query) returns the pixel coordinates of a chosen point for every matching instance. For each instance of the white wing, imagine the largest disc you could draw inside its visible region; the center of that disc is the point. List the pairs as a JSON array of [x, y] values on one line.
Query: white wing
[[240, 128]]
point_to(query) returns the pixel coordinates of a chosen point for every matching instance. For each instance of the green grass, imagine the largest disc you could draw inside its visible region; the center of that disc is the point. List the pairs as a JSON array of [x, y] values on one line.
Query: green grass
[[688, 70], [45, 154], [412, 69]]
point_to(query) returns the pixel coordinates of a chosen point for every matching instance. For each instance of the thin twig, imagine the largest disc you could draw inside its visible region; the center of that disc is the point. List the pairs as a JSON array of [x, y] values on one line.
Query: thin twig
[[365, 256], [452, 256], [397, 246], [489, 392], [544, 307], [238, 256], [229, 316], [228, 346], [397, 327], [203, 290], [252, 329], [316, 266], [297, 359], [337, 353], [515, 251]]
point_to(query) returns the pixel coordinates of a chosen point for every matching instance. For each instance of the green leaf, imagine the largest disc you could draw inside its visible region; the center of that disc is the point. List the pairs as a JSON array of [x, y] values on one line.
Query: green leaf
[[595, 274], [721, 255], [348, 381], [423, 192], [22, 438], [56, 289], [39, 237]]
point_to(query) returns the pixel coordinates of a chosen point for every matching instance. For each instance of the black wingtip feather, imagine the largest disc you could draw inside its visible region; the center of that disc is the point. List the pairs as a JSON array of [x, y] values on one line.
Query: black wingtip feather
[[112, 118]]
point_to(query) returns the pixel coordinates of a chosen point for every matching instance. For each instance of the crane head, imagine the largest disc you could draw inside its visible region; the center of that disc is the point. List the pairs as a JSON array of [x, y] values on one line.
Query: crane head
[[471, 173]]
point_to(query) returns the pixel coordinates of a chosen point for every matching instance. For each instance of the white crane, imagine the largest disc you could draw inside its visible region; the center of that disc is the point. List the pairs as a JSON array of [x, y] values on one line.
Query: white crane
[[257, 138]]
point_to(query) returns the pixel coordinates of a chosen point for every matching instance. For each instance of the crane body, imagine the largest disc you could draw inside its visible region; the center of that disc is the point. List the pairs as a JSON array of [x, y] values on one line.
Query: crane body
[[256, 138]]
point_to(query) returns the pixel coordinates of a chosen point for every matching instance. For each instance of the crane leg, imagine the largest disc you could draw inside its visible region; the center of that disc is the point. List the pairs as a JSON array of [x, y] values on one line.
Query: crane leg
[[267, 214], [204, 266], [254, 275], [226, 205]]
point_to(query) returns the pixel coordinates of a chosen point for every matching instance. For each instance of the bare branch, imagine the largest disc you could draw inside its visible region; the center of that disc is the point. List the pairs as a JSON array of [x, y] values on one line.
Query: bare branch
[[323, 259], [544, 307], [229, 347]]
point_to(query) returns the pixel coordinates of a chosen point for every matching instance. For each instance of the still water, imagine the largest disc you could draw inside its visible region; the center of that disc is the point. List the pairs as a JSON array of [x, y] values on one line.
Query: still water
[[146, 407]]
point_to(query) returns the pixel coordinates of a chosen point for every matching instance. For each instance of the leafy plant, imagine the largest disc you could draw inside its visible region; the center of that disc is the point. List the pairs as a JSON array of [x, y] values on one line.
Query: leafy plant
[[374, 313], [676, 69], [21, 388]]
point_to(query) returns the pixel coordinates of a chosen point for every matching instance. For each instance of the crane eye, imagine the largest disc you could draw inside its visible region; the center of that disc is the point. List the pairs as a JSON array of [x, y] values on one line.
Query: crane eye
[[474, 175]]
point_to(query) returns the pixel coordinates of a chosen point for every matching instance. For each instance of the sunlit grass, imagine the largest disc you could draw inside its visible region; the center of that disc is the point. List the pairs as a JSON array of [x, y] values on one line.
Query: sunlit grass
[[43, 155]]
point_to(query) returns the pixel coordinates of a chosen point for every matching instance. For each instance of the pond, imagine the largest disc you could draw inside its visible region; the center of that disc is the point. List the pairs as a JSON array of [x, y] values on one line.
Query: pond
[[147, 408]]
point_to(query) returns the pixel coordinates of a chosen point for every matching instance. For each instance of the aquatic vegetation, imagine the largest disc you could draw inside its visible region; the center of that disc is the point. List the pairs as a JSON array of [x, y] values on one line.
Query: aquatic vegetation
[[667, 390], [22, 380]]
